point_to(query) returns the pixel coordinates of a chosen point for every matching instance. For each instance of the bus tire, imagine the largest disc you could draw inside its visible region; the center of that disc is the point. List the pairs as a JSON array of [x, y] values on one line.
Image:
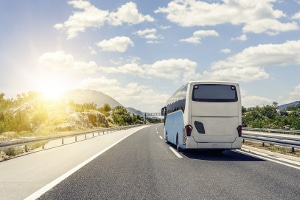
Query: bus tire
[[177, 145], [166, 139]]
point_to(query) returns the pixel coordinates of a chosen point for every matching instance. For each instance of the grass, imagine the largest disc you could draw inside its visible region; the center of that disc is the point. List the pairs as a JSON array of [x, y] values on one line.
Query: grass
[[273, 148]]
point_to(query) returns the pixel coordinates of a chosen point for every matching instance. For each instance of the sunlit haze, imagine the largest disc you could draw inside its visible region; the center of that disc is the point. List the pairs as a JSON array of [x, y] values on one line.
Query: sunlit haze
[[140, 52], [51, 94]]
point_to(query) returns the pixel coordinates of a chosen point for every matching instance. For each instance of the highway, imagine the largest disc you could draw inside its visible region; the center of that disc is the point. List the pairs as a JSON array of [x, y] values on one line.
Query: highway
[[138, 164]]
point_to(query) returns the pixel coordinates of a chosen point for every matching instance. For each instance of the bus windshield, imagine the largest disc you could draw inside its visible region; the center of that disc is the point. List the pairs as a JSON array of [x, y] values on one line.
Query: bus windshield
[[214, 93]]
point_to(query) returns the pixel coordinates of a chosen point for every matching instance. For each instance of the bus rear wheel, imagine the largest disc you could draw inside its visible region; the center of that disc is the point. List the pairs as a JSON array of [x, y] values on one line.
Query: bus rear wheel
[[177, 145], [166, 138]]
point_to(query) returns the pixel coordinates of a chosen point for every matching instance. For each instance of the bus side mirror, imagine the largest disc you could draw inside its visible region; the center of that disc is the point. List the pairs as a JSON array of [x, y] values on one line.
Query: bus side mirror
[[163, 111]]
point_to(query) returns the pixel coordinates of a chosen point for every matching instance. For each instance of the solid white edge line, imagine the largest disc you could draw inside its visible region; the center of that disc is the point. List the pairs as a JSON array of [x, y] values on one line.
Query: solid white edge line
[[176, 153], [55, 182], [267, 158]]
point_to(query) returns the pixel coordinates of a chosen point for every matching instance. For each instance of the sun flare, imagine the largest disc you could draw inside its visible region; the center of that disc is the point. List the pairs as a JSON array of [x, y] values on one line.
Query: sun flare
[[51, 94]]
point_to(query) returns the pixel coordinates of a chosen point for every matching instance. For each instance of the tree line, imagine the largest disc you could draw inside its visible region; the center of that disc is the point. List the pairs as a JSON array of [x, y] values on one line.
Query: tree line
[[30, 111], [269, 116]]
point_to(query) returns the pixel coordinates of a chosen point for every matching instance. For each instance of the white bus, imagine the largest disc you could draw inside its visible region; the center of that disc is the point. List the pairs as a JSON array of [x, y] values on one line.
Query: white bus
[[204, 115]]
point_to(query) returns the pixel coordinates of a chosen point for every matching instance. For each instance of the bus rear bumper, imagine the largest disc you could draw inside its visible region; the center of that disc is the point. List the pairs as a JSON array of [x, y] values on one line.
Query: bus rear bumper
[[191, 144]]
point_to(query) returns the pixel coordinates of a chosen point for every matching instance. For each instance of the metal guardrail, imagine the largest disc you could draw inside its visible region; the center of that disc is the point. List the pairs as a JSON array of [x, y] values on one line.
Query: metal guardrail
[[27, 141], [268, 130], [289, 142], [292, 143]]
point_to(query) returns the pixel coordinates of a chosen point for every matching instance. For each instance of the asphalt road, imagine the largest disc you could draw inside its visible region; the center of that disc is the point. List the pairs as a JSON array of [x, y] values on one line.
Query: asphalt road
[[143, 167], [24, 175]]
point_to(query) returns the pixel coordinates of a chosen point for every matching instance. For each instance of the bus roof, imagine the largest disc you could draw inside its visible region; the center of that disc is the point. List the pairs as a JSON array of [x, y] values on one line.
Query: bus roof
[[213, 82]]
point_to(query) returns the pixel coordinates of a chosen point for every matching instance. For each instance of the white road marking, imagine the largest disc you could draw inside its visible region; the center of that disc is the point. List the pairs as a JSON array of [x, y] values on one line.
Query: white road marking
[[160, 137], [52, 184], [176, 153], [265, 157]]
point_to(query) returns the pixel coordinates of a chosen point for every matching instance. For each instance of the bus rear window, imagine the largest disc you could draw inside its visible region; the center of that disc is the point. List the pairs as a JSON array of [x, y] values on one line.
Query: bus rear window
[[214, 93]]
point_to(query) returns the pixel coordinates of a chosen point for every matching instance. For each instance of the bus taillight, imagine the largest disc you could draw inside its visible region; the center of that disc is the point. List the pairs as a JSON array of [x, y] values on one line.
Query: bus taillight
[[188, 130], [239, 129]]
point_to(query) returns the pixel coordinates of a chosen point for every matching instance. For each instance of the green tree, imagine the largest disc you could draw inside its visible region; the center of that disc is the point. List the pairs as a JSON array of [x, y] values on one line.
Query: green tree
[[269, 111], [121, 116], [21, 121], [105, 109], [39, 116]]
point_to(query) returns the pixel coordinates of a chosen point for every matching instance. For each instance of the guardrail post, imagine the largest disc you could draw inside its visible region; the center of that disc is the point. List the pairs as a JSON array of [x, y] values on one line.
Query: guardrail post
[[84, 136], [26, 148], [263, 144], [76, 138], [293, 149], [62, 141], [93, 134]]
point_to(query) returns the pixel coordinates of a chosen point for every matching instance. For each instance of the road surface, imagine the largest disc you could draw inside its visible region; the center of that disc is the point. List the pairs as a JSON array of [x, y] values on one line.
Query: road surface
[[143, 166]]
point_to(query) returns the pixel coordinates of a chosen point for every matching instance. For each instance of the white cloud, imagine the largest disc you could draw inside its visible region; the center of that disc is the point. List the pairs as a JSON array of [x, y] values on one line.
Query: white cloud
[[256, 16], [164, 27], [253, 101], [172, 69], [142, 33], [148, 34], [249, 64], [128, 13], [59, 60], [131, 68], [294, 95], [296, 16], [90, 16], [241, 38], [198, 35], [92, 50], [264, 55], [269, 26], [235, 74], [152, 42], [119, 44], [130, 95], [226, 51]]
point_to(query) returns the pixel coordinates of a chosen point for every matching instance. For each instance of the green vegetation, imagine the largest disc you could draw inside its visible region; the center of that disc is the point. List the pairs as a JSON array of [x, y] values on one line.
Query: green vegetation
[[31, 114], [154, 120], [270, 117]]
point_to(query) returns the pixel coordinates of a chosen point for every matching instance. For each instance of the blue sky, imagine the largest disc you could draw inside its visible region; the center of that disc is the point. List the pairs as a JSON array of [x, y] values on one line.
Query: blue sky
[[140, 52]]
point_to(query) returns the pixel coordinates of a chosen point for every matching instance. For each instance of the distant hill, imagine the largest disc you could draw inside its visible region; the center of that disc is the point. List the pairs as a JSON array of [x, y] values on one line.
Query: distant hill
[[134, 111], [284, 106], [88, 96]]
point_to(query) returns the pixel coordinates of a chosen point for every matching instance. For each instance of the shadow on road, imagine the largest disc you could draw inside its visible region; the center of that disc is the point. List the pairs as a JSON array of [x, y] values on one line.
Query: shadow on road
[[225, 155]]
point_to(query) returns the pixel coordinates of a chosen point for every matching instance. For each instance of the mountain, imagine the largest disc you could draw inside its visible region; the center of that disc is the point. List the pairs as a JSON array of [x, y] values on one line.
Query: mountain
[[284, 106], [88, 96], [134, 111]]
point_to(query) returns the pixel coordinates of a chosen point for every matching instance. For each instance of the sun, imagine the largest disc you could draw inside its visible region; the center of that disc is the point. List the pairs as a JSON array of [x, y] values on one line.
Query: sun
[[51, 86], [51, 94]]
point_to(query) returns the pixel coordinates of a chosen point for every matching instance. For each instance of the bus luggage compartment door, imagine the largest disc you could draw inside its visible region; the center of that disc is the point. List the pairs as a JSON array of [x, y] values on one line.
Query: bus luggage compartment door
[[215, 129]]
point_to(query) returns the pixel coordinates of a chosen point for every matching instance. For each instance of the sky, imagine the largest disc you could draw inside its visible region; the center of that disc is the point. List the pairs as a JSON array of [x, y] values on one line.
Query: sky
[[141, 51]]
